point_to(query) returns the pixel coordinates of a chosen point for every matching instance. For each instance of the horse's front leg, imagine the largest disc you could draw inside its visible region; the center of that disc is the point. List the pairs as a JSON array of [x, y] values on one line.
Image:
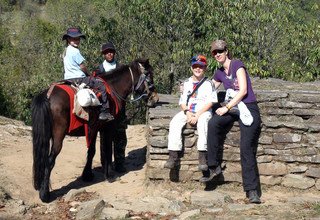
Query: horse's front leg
[[87, 174], [106, 153]]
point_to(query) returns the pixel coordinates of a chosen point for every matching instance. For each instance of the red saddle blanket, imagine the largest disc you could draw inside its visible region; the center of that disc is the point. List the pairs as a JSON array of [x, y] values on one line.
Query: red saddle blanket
[[76, 123]]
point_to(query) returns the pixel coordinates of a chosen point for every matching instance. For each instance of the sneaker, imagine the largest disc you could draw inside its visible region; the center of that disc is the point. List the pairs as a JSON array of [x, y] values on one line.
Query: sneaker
[[104, 116], [253, 196], [212, 173]]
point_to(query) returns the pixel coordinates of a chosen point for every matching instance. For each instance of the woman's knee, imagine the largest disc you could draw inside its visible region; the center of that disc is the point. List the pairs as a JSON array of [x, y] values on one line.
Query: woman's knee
[[213, 123]]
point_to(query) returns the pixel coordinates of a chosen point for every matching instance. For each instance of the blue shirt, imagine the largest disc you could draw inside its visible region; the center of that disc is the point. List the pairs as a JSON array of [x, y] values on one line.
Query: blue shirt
[[72, 61]]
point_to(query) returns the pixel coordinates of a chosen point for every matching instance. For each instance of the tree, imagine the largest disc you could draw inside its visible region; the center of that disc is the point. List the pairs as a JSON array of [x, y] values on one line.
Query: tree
[[274, 38]]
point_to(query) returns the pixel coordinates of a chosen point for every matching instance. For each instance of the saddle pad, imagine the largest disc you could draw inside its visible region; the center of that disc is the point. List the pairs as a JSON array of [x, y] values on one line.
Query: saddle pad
[[75, 122]]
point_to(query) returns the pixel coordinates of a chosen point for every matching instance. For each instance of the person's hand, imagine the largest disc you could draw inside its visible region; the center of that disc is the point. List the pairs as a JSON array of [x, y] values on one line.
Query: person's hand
[[222, 110], [193, 119], [189, 116]]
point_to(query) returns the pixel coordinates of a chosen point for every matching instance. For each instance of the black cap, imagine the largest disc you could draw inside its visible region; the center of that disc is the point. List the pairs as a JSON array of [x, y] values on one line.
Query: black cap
[[108, 46]]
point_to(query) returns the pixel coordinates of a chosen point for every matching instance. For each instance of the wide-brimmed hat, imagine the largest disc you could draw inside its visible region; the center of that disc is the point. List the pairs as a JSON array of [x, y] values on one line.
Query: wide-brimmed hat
[[107, 46], [218, 45], [73, 32], [200, 60]]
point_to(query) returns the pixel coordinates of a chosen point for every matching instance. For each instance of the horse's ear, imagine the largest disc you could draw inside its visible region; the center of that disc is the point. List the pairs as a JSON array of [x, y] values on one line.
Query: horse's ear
[[143, 60], [142, 68]]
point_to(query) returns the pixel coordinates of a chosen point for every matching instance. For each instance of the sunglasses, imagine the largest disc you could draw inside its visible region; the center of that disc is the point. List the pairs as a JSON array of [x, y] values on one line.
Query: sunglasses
[[215, 52]]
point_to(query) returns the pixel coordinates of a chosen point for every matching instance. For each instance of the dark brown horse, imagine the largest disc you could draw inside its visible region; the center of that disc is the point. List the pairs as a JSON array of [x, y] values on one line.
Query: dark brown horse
[[51, 118]]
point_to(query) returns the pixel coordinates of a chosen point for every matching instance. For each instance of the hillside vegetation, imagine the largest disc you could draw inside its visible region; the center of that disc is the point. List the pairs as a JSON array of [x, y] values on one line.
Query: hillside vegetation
[[274, 38]]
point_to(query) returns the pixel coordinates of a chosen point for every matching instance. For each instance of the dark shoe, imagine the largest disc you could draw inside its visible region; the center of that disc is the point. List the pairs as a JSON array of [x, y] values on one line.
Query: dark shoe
[[203, 167], [120, 168], [203, 161], [170, 164], [105, 116], [212, 173], [172, 161], [253, 196]]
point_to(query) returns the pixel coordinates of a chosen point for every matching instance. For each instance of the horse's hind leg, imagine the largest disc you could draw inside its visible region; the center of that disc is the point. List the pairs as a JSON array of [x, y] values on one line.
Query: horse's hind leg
[[56, 114], [44, 192], [87, 174]]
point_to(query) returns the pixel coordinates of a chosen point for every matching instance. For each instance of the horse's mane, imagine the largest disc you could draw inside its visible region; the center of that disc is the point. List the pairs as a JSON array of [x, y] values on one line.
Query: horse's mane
[[116, 72]]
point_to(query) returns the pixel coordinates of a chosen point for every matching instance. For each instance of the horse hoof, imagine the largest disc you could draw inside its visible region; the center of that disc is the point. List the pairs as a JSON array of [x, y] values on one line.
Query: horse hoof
[[45, 197], [87, 177], [112, 179], [110, 176]]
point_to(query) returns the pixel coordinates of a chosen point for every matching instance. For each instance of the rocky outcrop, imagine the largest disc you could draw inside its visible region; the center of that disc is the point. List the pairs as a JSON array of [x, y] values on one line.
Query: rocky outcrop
[[289, 145]]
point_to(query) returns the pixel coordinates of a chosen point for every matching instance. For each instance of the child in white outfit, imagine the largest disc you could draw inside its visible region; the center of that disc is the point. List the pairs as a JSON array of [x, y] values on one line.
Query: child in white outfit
[[196, 110]]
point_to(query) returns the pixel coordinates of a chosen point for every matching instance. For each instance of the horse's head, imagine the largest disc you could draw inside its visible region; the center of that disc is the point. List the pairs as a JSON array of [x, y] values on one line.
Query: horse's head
[[144, 86]]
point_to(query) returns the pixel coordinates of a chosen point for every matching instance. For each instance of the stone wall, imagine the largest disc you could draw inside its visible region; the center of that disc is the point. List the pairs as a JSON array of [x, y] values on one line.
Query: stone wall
[[289, 145]]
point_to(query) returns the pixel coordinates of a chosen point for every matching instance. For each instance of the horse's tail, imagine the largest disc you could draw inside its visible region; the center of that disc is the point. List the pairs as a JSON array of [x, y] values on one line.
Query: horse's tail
[[41, 135]]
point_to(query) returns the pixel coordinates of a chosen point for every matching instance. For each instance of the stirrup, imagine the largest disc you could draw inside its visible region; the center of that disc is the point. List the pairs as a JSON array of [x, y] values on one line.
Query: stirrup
[[105, 116]]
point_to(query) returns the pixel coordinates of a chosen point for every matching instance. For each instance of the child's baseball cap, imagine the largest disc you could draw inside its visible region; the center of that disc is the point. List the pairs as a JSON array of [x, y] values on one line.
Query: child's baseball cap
[[200, 60]]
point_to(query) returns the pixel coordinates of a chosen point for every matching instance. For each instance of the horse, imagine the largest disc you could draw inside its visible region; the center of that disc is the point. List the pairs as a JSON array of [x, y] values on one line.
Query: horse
[[51, 117]]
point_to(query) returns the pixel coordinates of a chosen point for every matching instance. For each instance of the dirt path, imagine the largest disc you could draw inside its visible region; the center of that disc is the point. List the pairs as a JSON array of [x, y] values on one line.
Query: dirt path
[[16, 167], [16, 179]]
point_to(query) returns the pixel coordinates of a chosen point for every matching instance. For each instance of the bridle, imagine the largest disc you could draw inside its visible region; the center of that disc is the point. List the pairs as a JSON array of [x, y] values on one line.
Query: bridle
[[143, 79]]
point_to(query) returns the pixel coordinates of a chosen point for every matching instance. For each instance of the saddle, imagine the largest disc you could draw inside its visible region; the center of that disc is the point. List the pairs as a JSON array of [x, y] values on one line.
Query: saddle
[[79, 116], [80, 97]]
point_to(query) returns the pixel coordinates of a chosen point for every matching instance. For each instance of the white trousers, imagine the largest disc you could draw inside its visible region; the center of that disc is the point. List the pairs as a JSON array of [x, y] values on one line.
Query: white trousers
[[175, 131]]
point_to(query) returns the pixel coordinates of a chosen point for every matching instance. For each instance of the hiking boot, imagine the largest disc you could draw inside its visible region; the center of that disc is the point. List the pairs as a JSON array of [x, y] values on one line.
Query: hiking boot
[[253, 196], [212, 173], [120, 168], [203, 161], [172, 161], [105, 116]]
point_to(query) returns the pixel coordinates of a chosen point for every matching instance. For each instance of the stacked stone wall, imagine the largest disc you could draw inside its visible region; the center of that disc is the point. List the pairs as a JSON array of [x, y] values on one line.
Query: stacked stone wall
[[289, 144]]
